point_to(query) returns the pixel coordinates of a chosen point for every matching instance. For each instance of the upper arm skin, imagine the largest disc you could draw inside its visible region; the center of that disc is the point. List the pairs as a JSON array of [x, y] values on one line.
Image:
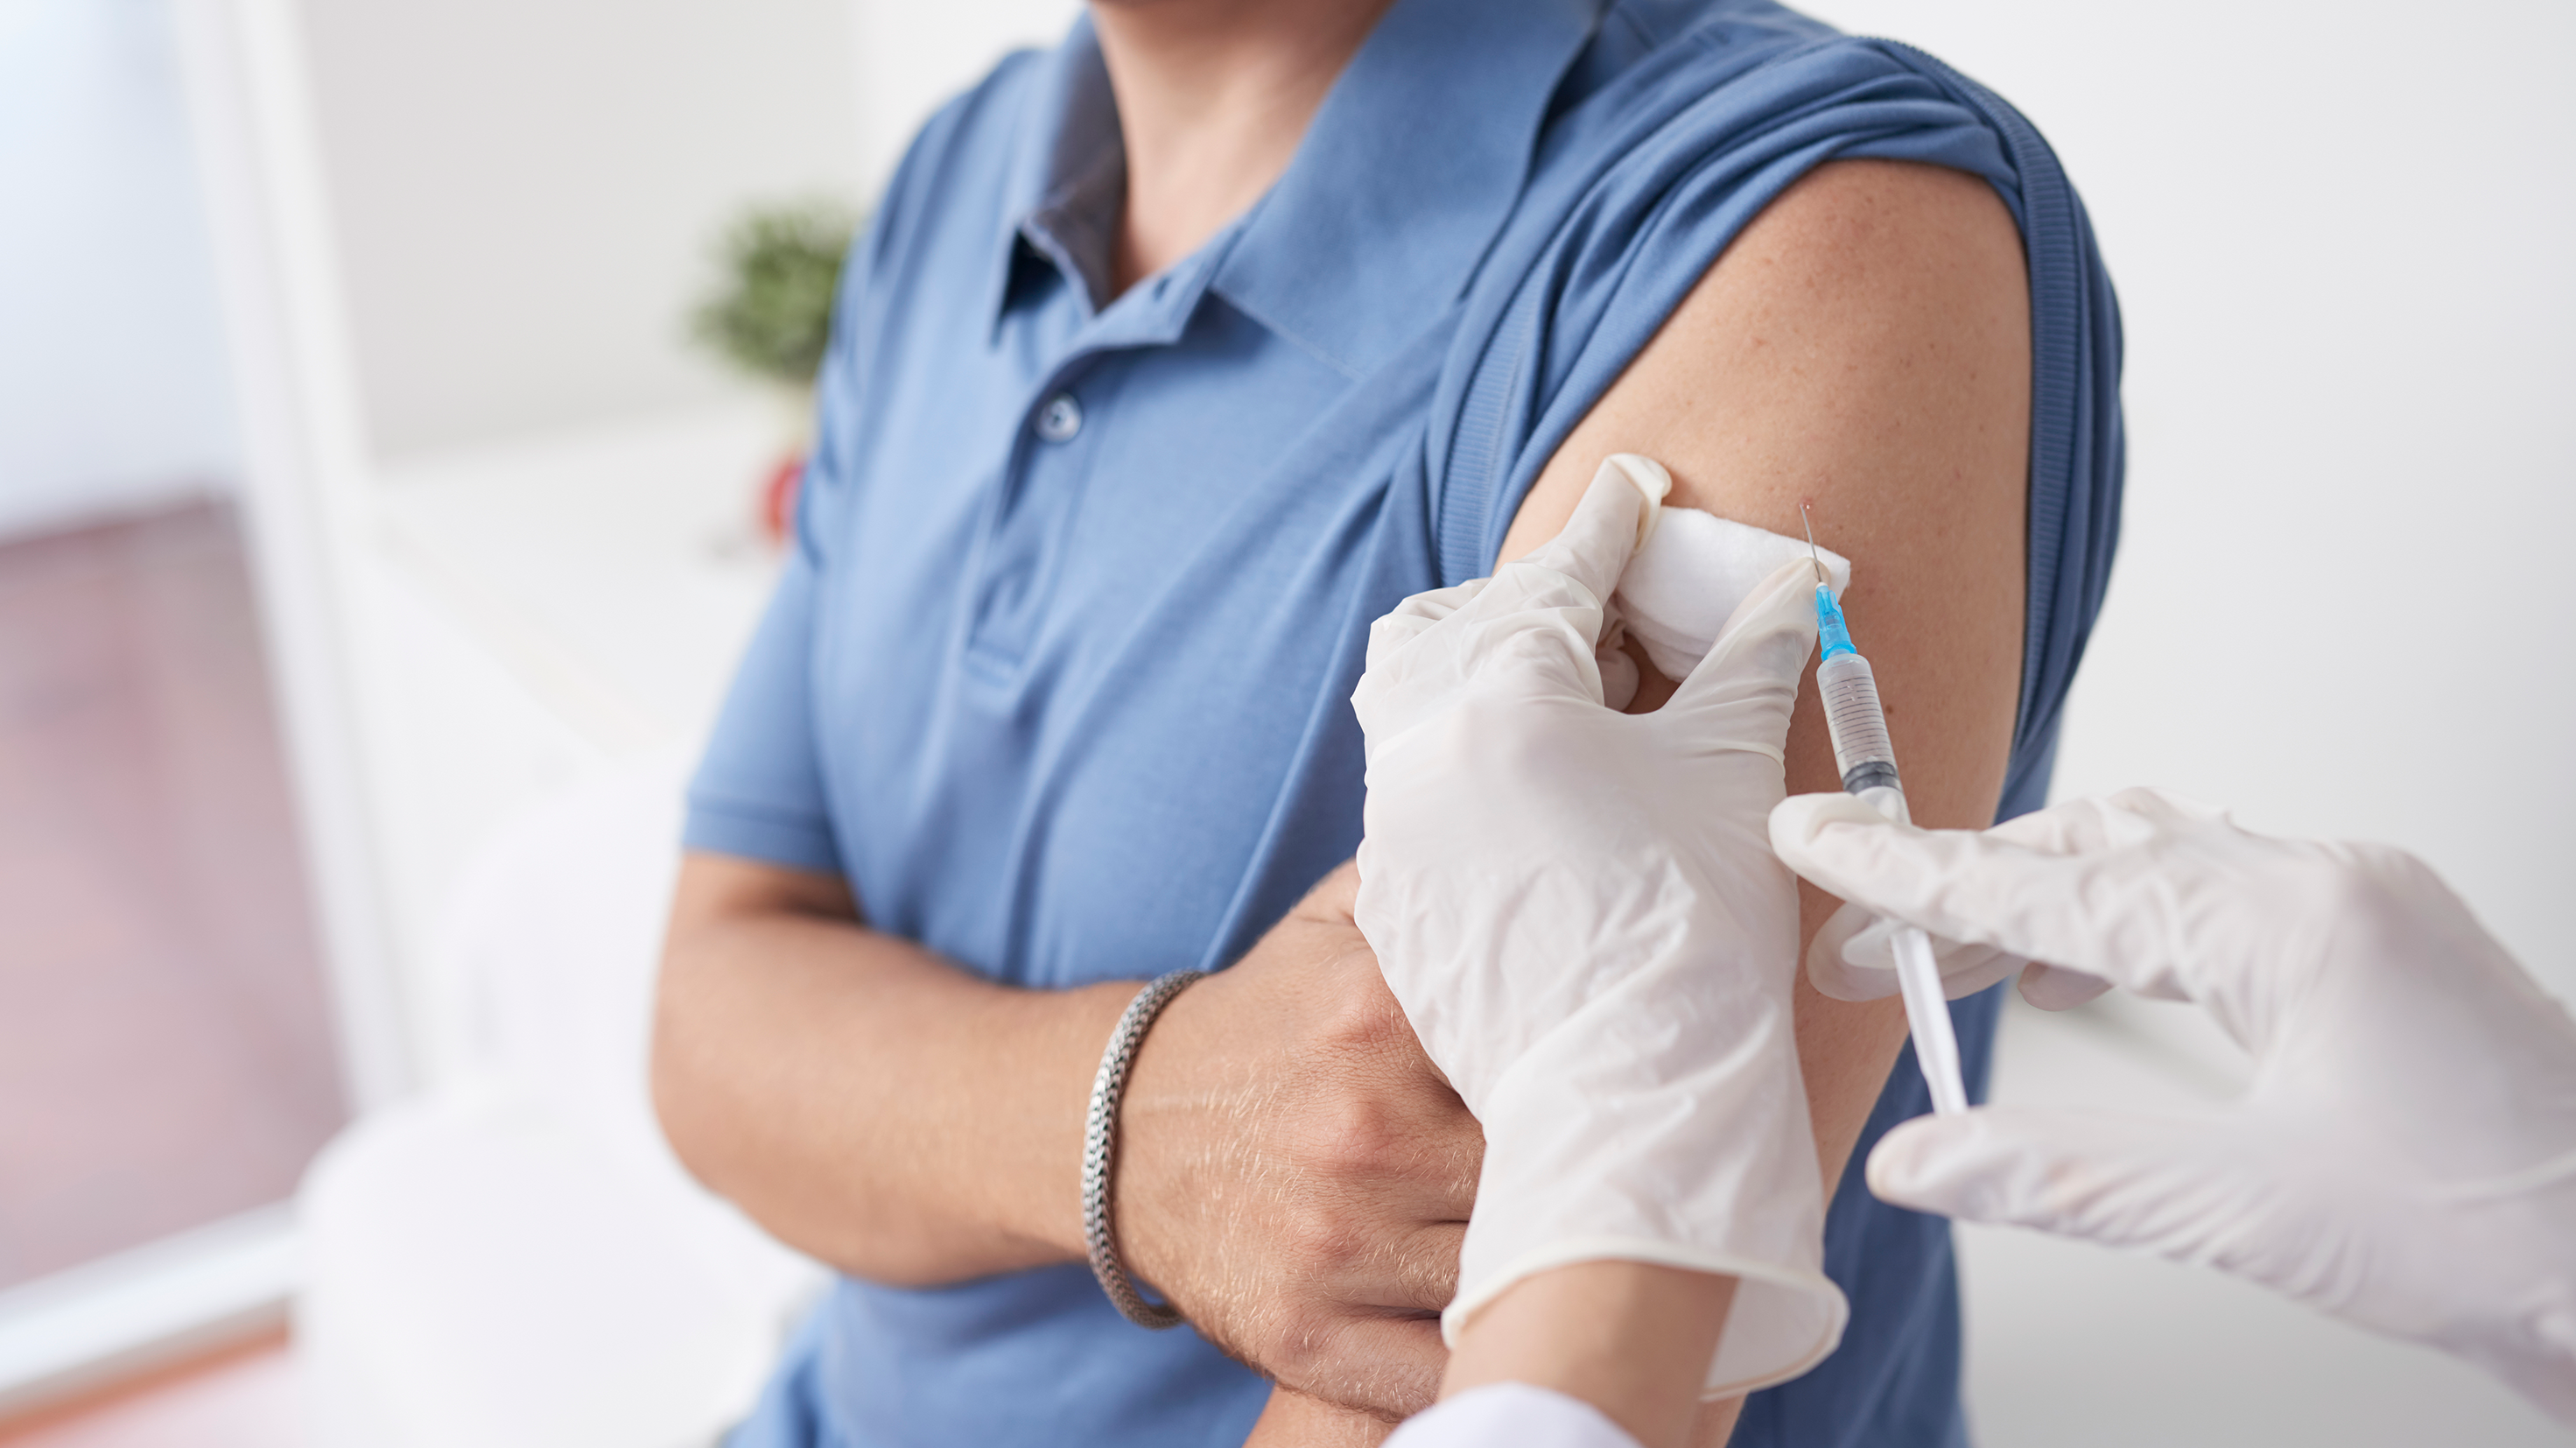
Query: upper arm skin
[[1863, 347]]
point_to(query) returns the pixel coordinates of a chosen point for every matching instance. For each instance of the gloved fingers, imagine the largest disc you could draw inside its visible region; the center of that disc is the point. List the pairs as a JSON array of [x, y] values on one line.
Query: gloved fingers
[[1414, 668], [2164, 805], [2167, 1184], [1581, 564], [2056, 988], [1533, 628], [2069, 827], [2098, 824], [1750, 675], [1610, 524], [1410, 619], [1619, 676], [2109, 914], [1853, 958]]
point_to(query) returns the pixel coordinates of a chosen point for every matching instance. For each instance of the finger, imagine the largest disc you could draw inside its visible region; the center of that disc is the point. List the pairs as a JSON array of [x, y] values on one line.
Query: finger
[[1619, 677], [2109, 912], [1420, 1273], [1299, 1420], [1433, 1179], [2056, 988], [2165, 805], [1616, 513], [1746, 687], [1410, 619], [1534, 627], [2071, 827], [1389, 1367], [1853, 958], [1580, 566], [1335, 897], [1834, 976], [2094, 824], [2166, 1184]]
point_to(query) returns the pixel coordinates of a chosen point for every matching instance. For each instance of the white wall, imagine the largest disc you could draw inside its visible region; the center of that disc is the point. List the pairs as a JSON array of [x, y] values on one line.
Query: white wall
[[912, 58], [2343, 236], [112, 384], [524, 195]]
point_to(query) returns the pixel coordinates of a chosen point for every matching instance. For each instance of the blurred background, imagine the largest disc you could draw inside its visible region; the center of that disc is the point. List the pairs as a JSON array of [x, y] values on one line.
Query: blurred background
[[388, 430]]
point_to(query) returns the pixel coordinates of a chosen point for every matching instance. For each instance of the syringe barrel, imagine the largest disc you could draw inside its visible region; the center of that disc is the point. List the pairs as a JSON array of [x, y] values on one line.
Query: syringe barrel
[[1861, 748]]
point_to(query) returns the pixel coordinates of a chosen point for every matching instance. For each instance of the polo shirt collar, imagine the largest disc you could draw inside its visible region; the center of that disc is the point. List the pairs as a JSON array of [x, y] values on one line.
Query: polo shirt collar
[[1069, 156], [1407, 172]]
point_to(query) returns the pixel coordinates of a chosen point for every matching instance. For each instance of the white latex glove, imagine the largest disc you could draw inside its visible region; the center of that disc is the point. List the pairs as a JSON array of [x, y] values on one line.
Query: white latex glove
[[1583, 920], [1853, 958], [2406, 1157], [1511, 1415]]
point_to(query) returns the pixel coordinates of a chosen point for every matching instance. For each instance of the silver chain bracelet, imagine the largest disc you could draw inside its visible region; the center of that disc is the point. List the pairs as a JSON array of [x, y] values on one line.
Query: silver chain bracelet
[[1100, 1151]]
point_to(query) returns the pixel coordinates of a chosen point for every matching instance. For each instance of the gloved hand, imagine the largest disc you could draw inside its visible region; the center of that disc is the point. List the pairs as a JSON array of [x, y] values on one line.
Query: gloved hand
[[2406, 1157], [1853, 958], [1582, 918]]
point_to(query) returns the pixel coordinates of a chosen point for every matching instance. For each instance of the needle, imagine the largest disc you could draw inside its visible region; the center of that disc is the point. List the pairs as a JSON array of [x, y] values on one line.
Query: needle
[[1809, 525]]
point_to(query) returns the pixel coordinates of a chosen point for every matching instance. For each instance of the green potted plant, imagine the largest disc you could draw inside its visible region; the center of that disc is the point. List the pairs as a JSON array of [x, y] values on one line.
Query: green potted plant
[[771, 318]]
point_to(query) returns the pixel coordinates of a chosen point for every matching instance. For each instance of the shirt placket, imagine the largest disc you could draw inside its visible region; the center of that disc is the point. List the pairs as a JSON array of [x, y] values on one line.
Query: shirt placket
[[1033, 513]]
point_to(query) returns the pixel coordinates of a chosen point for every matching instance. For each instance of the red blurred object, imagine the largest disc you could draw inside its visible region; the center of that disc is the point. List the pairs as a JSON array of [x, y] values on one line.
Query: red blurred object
[[778, 497]]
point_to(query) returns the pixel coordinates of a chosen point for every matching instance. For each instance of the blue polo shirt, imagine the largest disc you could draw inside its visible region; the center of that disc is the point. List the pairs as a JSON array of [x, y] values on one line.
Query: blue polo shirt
[[1058, 673]]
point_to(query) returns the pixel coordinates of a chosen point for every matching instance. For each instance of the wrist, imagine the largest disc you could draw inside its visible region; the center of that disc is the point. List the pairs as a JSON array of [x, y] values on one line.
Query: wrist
[[1065, 1041], [1162, 1118], [1631, 1338], [1100, 1151]]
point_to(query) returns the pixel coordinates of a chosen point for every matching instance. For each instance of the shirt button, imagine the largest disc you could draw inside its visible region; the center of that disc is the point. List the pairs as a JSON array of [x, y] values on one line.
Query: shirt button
[[1061, 419]]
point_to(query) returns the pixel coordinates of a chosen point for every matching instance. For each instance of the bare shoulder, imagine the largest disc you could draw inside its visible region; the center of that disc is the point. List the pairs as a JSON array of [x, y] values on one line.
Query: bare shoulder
[[1862, 348], [1875, 306]]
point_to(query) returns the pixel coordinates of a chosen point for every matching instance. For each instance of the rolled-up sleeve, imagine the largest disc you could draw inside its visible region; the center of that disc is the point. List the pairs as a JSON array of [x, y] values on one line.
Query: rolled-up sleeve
[[759, 791]]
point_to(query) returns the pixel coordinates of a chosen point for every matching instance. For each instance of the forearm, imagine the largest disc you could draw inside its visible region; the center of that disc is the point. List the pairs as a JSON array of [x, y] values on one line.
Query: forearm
[[867, 1102], [1630, 1338]]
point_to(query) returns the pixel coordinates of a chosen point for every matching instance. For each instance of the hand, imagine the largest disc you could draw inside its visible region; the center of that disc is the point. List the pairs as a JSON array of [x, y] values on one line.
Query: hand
[[1293, 1420], [2406, 1158], [1584, 921], [1293, 1173], [1853, 958]]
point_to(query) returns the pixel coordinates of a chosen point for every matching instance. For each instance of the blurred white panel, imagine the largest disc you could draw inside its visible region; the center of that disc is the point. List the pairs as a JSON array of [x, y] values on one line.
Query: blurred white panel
[[112, 383], [524, 192], [914, 58], [517, 1258], [2341, 236]]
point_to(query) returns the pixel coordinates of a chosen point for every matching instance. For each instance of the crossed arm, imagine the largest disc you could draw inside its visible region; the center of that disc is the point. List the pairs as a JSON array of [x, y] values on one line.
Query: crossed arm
[[1295, 1174]]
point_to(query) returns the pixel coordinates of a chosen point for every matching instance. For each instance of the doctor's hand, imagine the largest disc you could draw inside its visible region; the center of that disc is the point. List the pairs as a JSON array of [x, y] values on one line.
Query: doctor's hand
[[1583, 920], [2406, 1157]]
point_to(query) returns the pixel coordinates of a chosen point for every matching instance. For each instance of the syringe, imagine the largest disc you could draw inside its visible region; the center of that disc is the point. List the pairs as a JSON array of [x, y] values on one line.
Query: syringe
[[1868, 765]]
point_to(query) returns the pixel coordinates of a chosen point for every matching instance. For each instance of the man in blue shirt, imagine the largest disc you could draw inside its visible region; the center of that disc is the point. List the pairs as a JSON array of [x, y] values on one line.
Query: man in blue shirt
[[1173, 358]]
